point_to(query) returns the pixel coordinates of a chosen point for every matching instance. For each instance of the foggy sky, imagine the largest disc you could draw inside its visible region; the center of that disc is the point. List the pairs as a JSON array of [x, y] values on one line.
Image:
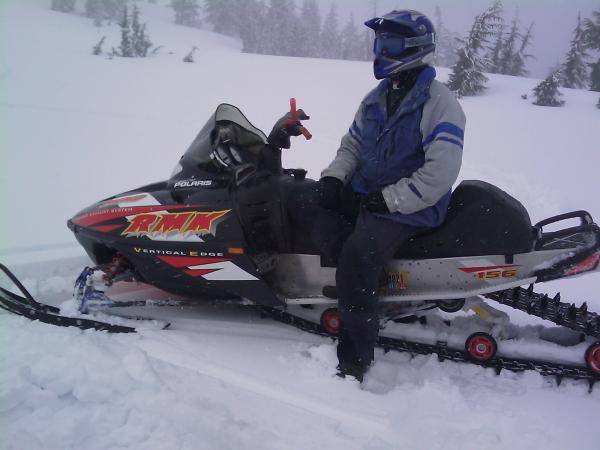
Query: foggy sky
[[554, 20]]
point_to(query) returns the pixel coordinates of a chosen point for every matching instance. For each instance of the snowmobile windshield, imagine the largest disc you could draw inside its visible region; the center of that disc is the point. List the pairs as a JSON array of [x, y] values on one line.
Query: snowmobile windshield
[[227, 126]]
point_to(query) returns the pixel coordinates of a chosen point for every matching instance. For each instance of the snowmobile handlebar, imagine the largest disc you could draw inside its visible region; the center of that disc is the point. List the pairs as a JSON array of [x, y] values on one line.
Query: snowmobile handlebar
[[294, 120]]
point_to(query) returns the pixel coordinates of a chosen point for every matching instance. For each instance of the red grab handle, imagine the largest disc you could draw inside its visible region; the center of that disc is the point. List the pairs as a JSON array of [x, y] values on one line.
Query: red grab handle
[[294, 119]]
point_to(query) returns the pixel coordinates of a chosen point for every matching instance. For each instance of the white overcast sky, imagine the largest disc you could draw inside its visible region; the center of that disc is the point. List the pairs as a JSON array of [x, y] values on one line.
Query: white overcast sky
[[554, 20]]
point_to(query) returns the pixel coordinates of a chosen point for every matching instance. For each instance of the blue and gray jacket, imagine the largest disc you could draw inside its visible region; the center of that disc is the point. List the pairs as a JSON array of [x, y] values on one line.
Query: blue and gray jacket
[[413, 157]]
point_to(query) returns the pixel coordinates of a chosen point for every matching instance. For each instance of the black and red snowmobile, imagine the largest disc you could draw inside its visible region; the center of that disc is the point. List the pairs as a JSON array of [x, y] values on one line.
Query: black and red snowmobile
[[231, 224]]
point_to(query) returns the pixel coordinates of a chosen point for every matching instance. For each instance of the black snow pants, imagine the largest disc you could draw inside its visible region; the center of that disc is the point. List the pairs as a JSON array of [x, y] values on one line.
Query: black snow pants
[[367, 250], [360, 243]]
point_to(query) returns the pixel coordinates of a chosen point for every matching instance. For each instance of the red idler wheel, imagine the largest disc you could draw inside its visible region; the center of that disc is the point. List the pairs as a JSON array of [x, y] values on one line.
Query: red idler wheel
[[481, 346], [330, 320], [592, 358]]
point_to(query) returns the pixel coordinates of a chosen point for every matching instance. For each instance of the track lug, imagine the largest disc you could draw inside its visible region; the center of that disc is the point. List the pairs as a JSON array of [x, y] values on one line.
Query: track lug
[[556, 299], [591, 383], [572, 312], [559, 379]]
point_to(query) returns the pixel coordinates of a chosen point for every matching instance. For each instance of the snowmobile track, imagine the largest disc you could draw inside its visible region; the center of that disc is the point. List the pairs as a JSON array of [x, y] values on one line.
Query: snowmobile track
[[552, 309], [525, 299]]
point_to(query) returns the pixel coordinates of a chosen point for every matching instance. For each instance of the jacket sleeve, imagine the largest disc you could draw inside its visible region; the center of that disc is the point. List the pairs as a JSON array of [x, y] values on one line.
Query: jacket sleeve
[[442, 128], [346, 159]]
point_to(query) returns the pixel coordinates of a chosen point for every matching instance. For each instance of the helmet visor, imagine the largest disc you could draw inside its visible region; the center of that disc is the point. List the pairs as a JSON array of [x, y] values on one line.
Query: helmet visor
[[394, 45]]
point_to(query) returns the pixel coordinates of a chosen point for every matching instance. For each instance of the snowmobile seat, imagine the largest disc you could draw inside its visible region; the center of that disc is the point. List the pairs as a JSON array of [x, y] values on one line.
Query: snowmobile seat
[[482, 220]]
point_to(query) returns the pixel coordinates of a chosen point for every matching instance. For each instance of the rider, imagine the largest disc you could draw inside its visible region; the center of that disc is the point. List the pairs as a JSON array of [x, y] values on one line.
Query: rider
[[392, 176]]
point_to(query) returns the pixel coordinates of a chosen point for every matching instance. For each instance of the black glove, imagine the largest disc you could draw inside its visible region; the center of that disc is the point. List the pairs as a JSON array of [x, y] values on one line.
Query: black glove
[[330, 193], [375, 203], [284, 128]]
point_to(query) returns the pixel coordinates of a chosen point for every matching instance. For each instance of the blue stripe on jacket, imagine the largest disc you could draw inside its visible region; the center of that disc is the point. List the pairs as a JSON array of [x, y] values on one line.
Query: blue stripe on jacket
[[453, 141], [445, 127]]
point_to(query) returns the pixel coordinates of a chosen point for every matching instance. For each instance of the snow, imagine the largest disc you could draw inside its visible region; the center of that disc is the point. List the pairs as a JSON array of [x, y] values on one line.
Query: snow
[[75, 128]]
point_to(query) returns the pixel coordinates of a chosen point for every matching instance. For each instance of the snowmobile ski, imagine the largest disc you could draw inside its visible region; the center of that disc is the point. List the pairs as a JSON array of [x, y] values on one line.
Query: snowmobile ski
[[25, 305]]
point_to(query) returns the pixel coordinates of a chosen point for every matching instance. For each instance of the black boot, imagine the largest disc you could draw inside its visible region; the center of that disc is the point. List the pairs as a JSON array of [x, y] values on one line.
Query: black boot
[[353, 370]]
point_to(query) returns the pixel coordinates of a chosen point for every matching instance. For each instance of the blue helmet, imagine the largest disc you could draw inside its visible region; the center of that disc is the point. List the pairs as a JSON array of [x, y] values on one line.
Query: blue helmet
[[403, 40]]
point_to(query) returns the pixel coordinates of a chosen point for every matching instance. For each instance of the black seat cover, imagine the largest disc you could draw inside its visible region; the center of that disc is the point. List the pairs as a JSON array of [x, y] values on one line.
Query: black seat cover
[[482, 220]]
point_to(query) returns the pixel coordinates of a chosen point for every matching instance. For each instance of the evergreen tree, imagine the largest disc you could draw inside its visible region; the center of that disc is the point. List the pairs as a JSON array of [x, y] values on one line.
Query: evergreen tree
[[591, 29], [598, 104], [93, 10], [574, 72], [97, 50], [350, 40], [520, 57], [221, 14], [546, 93], [251, 25], [467, 76], [310, 29], [186, 12], [126, 47], [330, 35], [592, 41], [496, 51], [283, 25], [189, 58], [104, 10], [507, 57], [63, 5], [595, 76], [140, 42], [445, 51], [367, 45]]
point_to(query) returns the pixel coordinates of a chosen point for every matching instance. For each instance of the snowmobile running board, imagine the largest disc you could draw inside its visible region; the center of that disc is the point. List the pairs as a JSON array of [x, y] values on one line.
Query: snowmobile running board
[[578, 319]]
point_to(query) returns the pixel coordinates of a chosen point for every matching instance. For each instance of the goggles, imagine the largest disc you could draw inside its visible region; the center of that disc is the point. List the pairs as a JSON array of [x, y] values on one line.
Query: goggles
[[394, 45]]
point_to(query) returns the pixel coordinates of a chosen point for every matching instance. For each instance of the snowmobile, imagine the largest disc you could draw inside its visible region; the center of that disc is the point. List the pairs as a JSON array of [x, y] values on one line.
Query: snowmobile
[[231, 223]]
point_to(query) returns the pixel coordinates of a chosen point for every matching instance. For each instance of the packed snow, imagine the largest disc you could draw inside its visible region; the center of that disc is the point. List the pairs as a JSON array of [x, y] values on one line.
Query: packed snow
[[75, 128]]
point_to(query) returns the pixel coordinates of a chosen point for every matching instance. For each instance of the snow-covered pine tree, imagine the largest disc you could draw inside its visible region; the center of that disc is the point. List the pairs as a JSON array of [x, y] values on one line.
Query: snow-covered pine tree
[[93, 10], [591, 30], [221, 14], [189, 58], [63, 5], [467, 77], [140, 42], [310, 29], [104, 10], [350, 40], [595, 76], [520, 57], [598, 104], [186, 12], [439, 31], [445, 50], [282, 25], [126, 47], [574, 71], [546, 93], [97, 50], [507, 56], [251, 17], [495, 52], [330, 35]]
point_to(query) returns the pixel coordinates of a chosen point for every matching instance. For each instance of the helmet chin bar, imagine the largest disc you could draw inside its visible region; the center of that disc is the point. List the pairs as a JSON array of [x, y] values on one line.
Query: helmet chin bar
[[395, 67]]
